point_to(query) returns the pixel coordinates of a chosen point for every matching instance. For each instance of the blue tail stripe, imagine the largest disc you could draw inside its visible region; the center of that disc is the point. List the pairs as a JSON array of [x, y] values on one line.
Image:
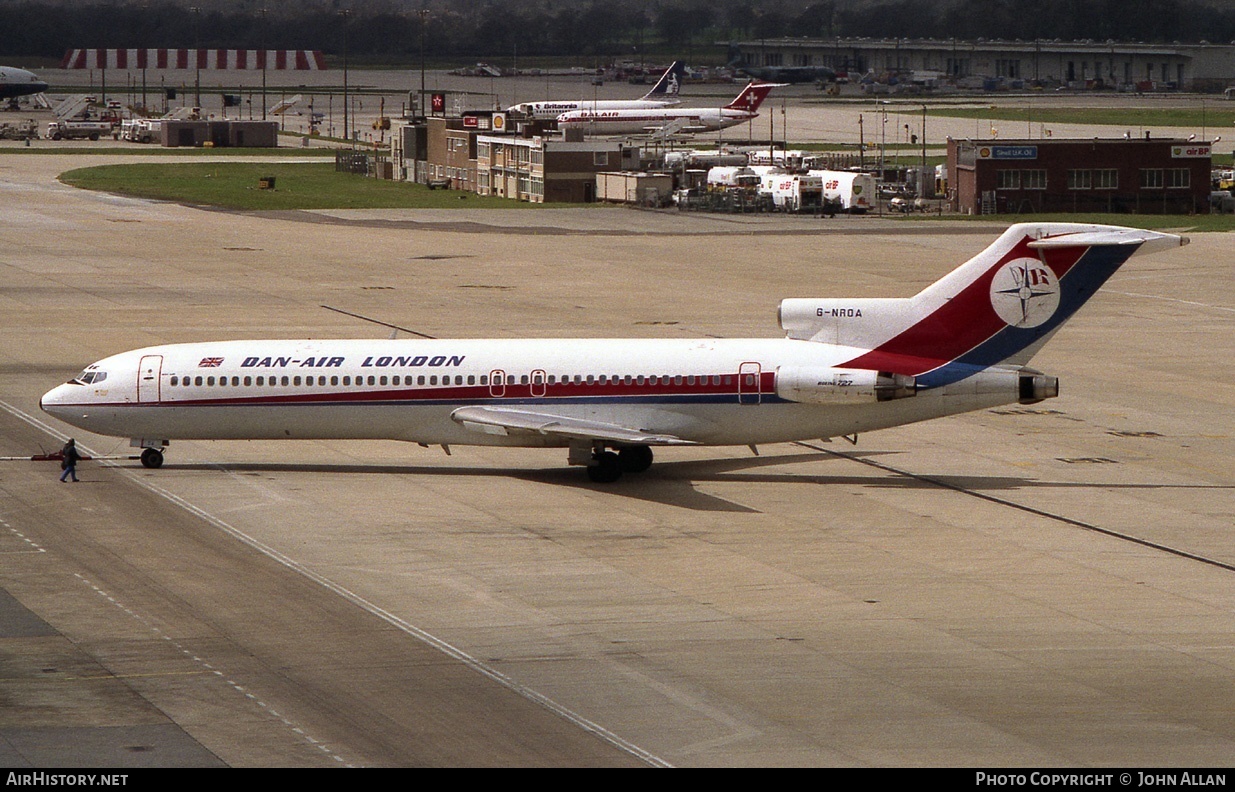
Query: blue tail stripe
[[1076, 286]]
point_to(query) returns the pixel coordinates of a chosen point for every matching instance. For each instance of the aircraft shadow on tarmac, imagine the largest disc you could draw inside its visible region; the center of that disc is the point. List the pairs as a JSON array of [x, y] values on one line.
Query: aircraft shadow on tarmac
[[674, 483]]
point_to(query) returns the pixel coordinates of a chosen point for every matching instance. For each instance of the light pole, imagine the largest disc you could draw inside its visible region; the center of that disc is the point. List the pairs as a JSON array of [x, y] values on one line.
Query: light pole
[[347, 133], [197, 58], [265, 51], [424, 23]]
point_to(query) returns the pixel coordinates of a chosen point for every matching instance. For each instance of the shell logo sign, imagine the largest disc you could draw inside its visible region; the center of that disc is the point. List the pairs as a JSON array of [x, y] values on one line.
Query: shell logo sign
[[499, 122]]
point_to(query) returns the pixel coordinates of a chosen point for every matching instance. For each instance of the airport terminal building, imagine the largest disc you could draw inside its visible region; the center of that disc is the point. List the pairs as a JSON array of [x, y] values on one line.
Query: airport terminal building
[[1078, 64]]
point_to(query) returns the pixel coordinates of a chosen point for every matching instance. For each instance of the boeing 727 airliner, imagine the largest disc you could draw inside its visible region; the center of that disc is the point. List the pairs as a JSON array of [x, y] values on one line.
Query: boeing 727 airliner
[[844, 366]]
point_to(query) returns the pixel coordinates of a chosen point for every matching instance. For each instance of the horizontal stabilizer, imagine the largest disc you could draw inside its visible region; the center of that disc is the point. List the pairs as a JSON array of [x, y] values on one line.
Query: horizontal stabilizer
[[1150, 241], [506, 421]]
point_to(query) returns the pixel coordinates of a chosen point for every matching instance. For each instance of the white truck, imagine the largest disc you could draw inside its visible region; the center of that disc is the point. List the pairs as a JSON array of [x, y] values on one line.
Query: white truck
[[141, 130], [727, 176], [66, 130], [793, 192], [854, 191]]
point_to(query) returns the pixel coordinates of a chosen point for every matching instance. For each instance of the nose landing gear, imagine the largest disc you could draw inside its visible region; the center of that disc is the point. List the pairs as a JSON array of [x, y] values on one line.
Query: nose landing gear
[[152, 451]]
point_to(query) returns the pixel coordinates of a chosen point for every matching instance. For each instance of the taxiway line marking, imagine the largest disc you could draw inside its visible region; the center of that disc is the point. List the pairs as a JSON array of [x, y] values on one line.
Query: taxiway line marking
[[411, 629]]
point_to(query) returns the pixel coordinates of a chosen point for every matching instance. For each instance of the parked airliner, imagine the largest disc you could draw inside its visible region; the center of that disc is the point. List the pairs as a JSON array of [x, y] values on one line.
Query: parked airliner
[[663, 94], [687, 120], [16, 82], [844, 366]]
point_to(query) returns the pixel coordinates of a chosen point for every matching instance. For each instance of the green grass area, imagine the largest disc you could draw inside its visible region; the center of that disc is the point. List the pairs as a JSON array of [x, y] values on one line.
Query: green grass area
[[1173, 223], [1213, 118], [234, 185], [160, 151]]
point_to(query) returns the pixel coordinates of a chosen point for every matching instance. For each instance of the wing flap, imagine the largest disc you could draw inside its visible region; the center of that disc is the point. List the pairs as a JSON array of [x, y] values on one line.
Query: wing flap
[[506, 421]]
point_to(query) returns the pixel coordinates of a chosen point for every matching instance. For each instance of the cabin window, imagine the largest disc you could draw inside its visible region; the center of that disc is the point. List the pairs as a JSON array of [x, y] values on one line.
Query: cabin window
[[261, 381], [285, 380], [347, 380], [199, 380], [690, 379], [433, 380], [728, 380], [677, 379], [420, 380], [175, 381], [626, 379], [210, 381], [334, 380], [471, 379], [296, 380], [236, 382], [382, 380], [372, 380]]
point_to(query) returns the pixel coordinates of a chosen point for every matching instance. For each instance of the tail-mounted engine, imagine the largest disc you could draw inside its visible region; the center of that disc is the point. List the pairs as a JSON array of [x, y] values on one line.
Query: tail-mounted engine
[[820, 385]]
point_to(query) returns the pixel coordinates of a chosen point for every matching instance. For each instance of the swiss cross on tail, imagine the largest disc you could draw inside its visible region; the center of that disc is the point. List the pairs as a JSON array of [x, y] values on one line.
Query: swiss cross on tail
[[752, 96], [1003, 304]]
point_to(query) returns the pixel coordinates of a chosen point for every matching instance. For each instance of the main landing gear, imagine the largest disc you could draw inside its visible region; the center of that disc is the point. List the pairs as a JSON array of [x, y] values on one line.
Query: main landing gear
[[605, 466]]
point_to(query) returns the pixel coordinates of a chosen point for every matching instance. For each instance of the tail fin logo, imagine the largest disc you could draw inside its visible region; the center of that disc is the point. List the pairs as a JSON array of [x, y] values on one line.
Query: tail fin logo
[[1025, 293]]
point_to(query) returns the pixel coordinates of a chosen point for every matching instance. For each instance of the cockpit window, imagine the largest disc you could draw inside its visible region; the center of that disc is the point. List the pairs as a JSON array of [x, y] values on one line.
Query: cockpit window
[[89, 377]]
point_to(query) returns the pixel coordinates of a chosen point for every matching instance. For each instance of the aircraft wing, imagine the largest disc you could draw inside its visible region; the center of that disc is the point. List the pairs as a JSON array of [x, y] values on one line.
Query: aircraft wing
[[508, 421]]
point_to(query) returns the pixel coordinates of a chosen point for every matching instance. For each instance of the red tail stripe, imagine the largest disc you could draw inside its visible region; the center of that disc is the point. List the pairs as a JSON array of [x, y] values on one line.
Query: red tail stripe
[[961, 323]]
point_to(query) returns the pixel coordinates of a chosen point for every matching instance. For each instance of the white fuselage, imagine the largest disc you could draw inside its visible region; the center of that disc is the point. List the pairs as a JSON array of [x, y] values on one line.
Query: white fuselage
[[633, 122], [550, 110], [706, 391]]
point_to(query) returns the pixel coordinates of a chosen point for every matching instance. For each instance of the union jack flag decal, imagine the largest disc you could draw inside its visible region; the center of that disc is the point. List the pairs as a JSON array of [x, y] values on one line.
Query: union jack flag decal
[[211, 362]]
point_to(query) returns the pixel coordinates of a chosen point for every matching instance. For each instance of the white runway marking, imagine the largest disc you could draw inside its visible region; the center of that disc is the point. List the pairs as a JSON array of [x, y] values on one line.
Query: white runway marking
[[412, 630]]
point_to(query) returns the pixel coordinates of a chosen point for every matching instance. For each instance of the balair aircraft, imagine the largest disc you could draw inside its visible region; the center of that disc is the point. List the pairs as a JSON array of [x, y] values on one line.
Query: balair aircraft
[[655, 120]]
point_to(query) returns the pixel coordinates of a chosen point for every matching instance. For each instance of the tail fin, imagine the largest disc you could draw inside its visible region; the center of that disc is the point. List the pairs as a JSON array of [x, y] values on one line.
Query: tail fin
[[667, 86], [752, 96], [1001, 306]]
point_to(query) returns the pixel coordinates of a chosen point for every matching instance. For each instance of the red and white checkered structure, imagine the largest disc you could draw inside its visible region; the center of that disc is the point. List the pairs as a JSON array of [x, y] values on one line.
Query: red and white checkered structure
[[217, 59]]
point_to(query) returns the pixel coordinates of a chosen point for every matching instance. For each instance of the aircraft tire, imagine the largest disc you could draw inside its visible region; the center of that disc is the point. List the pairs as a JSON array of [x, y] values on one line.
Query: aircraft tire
[[152, 458], [635, 459], [607, 468]]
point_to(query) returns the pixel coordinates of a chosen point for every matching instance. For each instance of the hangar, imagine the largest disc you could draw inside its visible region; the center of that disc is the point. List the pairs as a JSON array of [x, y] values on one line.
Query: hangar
[[1082, 64], [1128, 175]]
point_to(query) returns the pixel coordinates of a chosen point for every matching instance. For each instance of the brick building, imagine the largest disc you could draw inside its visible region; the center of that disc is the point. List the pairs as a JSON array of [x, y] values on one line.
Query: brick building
[[540, 169], [1137, 176]]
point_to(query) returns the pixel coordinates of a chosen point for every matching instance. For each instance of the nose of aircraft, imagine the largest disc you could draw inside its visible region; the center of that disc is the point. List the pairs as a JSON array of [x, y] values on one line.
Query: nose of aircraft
[[55, 398]]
